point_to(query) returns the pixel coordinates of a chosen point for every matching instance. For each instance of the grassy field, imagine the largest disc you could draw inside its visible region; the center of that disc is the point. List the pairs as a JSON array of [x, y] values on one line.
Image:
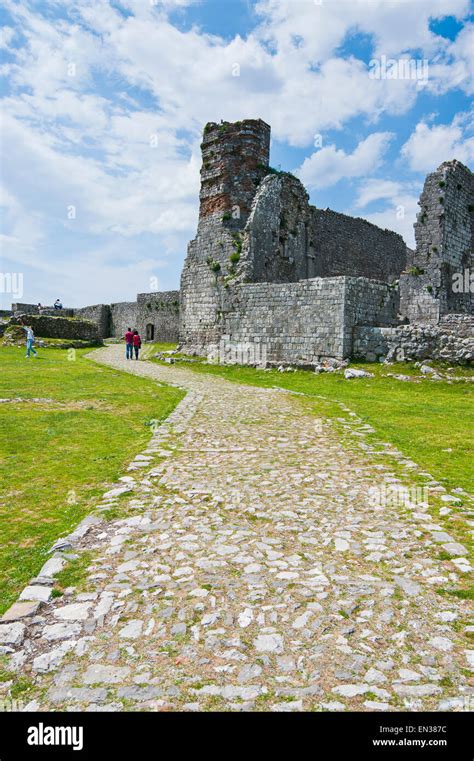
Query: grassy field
[[57, 457], [430, 422]]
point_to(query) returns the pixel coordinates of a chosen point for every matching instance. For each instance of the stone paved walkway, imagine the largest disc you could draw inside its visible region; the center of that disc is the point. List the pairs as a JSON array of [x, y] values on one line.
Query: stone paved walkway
[[250, 572]]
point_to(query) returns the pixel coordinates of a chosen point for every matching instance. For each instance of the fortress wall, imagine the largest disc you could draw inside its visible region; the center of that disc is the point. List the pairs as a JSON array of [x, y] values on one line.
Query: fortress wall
[[305, 321], [292, 322], [122, 316], [352, 246], [276, 248], [234, 162], [158, 316], [100, 314], [19, 308], [25, 308], [45, 326]]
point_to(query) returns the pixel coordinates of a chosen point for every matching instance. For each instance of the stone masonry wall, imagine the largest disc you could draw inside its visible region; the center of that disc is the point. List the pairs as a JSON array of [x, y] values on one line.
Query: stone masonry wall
[[158, 316], [59, 327], [100, 314], [452, 340], [352, 246], [292, 322], [286, 239], [19, 308], [122, 316], [275, 246], [302, 322], [367, 302]]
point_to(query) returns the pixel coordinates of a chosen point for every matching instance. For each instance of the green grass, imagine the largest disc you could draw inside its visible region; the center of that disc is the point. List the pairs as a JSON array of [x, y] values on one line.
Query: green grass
[[74, 573], [57, 458], [421, 419]]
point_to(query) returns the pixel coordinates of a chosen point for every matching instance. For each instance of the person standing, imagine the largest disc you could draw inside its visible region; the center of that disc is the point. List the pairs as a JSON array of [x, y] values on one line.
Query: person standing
[[137, 343], [30, 339], [129, 344]]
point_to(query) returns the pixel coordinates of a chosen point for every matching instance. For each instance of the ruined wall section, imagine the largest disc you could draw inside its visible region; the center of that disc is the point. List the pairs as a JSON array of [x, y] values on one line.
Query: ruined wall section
[[452, 340], [352, 246], [46, 326], [444, 233], [275, 245], [98, 313], [286, 239]]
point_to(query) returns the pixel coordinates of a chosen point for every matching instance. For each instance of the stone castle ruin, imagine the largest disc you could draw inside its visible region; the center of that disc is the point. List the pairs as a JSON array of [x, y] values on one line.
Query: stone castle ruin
[[271, 279], [271, 275]]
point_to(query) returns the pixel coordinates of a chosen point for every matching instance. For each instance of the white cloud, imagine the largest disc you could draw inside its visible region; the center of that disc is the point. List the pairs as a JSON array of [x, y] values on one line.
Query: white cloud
[[84, 139], [329, 165], [428, 146], [401, 205], [376, 190]]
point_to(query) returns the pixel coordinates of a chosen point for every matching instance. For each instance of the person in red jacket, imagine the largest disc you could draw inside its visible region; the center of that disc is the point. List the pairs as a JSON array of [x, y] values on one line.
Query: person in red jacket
[[129, 344], [137, 343]]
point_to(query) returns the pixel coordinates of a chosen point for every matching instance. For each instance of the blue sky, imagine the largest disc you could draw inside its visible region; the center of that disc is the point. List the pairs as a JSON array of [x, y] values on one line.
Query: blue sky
[[104, 104]]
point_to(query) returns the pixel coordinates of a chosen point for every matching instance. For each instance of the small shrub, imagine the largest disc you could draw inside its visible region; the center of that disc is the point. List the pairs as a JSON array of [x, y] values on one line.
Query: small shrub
[[415, 271], [213, 264], [441, 184]]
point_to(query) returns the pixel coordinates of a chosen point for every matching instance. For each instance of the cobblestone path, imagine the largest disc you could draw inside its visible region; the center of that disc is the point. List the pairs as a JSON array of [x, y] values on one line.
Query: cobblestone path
[[248, 570]]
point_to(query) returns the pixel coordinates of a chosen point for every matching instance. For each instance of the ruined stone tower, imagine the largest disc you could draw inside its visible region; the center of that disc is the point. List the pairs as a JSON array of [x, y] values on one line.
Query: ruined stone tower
[[235, 160], [437, 280]]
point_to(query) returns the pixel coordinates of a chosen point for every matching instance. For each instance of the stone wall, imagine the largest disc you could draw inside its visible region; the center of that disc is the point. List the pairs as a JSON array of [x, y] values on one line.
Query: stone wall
[[292, 322], [301, 322], [59, 327], [100, 314], [286, 239], [158, 316], [276, 247], [19, 308], [367, 303], [123, 315], [234, 162], [444, 233], [352, 246], [452, 340]]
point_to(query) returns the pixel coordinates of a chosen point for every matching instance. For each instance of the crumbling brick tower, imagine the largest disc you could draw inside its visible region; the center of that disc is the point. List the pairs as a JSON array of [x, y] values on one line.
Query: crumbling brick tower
[[235, 160], [437, 281]]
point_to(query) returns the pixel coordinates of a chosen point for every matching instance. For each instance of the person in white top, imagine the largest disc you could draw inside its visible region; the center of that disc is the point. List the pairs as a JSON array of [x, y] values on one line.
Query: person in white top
[[30, 339]]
